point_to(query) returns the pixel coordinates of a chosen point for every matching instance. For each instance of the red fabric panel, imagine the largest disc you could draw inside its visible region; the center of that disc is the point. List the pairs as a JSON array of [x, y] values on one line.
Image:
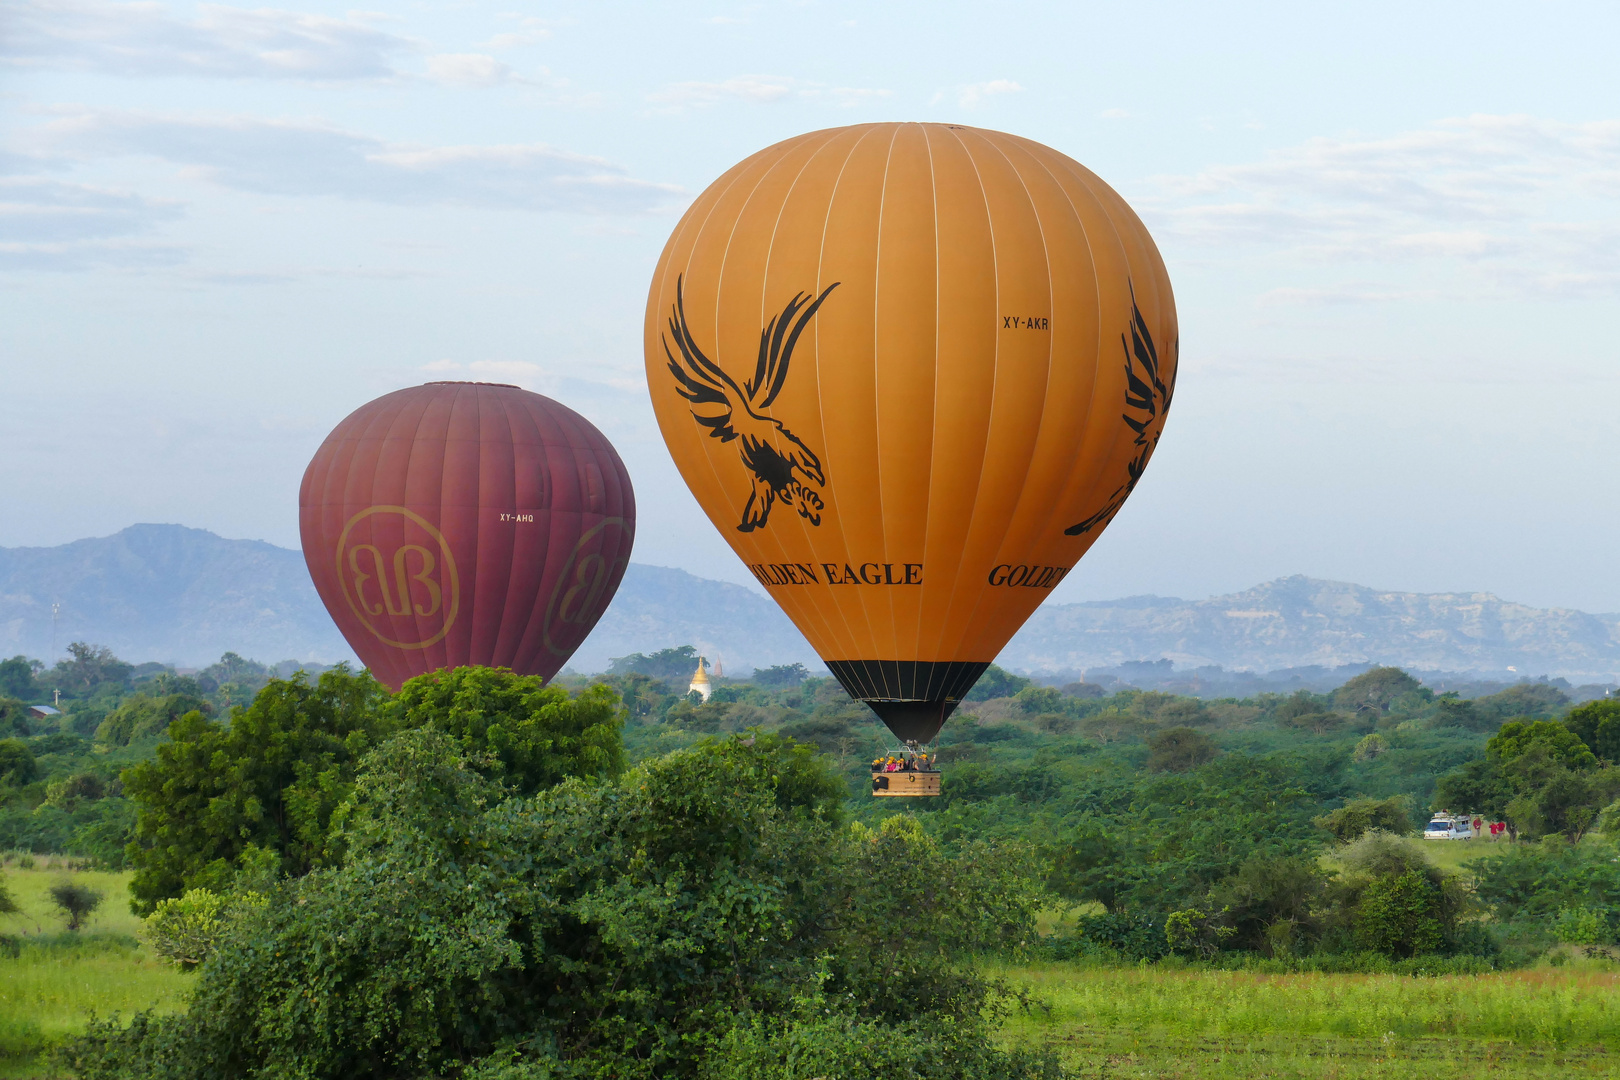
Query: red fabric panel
[[465, 523]]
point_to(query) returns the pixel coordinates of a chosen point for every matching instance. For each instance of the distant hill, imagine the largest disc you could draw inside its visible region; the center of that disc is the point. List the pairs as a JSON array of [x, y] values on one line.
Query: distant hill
[[166, 592], [1300, 622], [179, 595]]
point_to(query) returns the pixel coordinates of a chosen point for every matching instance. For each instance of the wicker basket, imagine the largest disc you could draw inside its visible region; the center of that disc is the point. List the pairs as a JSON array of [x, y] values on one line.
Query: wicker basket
[[890, 784]]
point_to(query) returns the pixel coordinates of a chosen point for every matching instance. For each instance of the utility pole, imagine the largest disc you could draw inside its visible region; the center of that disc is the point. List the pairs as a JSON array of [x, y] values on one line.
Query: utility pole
[[56, 608]]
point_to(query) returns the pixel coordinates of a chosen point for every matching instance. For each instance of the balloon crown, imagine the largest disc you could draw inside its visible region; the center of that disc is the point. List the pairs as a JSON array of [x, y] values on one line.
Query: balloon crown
[[469, 382]]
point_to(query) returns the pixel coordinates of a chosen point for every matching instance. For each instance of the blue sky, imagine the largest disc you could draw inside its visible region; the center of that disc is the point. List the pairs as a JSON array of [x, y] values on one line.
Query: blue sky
[[1393, 229]]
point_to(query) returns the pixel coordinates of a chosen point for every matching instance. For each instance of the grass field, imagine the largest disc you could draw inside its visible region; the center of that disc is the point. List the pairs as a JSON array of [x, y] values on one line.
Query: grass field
[[1162, 1021], [1130, 1023], [57, 979]]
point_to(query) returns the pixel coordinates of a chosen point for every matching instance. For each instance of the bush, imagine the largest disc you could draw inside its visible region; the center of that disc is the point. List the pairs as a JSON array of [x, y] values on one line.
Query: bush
[[77, 901], [17, 765], [1400, 915], [1178, 749], [625, 924], [187, 929], [269, 781], [1393, 901], [531, 735], [1359, 816]]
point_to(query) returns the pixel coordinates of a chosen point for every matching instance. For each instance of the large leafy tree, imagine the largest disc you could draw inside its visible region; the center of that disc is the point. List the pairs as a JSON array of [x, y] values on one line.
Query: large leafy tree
[[1376, 689], [17, 678], [219, 799], [607, 928], [89, 669], [268, 782], [516, 728], [1598, 725]]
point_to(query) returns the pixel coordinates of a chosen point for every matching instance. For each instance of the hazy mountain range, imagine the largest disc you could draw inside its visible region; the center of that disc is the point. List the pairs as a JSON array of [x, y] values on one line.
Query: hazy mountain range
[[170, 593]]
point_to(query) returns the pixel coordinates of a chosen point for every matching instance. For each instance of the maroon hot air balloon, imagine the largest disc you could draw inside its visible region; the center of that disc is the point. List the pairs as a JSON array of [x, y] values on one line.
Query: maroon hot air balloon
[[465, 523]]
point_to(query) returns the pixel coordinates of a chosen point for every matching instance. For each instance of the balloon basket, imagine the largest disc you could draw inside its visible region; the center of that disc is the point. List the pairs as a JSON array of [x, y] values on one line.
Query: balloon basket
[[905, 773], [892, 784]]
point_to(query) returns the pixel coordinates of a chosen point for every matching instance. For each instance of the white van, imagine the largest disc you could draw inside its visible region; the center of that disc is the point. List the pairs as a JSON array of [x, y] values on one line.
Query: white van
[[1449, 827]]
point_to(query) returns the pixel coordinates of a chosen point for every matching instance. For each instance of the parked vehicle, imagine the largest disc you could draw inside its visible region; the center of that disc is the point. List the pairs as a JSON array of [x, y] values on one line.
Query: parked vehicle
[[1445, 826]]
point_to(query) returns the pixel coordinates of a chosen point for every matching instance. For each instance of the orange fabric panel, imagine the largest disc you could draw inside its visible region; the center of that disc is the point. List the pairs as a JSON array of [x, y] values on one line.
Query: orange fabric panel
[[910, 371]]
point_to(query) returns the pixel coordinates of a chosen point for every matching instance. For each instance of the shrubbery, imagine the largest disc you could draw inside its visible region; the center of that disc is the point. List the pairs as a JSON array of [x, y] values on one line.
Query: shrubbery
[[619, 928]]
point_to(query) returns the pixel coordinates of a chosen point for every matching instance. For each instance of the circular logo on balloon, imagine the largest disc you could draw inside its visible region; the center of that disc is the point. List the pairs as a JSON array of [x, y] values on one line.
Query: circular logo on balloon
[[583, 588], [398, 567]]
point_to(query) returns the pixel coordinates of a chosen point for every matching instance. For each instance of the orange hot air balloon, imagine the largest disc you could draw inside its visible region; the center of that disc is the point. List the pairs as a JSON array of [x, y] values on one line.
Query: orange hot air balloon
[[911, 372], [465, 523]]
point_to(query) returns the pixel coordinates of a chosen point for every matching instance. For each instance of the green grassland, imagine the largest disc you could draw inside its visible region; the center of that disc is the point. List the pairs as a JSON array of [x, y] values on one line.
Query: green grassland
[[1161, 1021], [57, 979]]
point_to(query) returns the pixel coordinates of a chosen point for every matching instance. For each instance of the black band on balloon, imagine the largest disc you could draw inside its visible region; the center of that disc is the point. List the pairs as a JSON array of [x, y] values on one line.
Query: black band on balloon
[[913, 698]]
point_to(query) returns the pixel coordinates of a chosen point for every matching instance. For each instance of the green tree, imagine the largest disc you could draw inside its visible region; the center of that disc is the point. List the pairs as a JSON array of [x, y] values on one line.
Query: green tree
[[90, 669], [1392, 900], [1528, 699], [779, 676], [1178, 749], [1452, 711], [14, 718], [1517, 737], [996, 683], [17, 765], [1400, 915], [1478, 787], [142, 716], [1357, 816], [1375, 690], [1598, 725], [17, 678], [678, 663], [1033, 700], [533, 734], [77, 901], [1271, 901], [268, 782], [599, 928]]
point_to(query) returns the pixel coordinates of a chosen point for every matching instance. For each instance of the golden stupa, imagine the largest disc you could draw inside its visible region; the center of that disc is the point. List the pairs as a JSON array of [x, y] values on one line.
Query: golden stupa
[[700, 681]]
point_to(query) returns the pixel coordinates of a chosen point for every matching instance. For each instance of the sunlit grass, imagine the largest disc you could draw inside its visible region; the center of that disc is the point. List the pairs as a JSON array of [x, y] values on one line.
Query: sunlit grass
[[58, 979], [30, 888], [1197, 1023]]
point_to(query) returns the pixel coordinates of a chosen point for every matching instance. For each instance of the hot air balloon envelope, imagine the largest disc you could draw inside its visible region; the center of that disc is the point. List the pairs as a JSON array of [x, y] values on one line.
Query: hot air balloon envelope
[[465, 523], [911, 372]]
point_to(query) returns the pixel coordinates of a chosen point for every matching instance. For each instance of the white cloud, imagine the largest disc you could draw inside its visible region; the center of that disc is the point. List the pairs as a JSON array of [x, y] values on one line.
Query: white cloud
[[1524, 201], [468, 69], [974, 94], [143, 39], [758, 89], [46, 224], [301, 159], [530, 31]]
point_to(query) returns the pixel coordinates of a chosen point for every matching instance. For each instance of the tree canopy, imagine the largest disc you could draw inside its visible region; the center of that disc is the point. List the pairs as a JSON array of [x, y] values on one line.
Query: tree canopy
[[266, 783]]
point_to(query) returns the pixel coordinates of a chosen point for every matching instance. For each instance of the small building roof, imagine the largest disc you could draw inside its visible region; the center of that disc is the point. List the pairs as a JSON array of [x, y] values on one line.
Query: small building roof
[[43, 710]]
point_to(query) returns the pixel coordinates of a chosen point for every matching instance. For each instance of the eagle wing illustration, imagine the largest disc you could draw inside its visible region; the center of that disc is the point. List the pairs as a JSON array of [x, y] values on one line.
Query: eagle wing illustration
[[1147, 399], [780, 465]]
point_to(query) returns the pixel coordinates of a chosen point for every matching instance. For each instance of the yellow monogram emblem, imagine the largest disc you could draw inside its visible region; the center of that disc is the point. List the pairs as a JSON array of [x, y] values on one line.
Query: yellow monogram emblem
[[409, 580], [577, 599]]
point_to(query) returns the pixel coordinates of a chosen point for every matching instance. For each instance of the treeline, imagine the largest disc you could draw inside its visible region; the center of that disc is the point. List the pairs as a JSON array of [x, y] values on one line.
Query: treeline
[[60, 784], [468, 878], [488, 877]]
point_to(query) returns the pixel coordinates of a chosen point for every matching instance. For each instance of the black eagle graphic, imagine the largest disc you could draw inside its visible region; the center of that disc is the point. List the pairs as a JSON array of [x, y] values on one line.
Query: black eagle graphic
[[782, 467], [1147, 398]]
